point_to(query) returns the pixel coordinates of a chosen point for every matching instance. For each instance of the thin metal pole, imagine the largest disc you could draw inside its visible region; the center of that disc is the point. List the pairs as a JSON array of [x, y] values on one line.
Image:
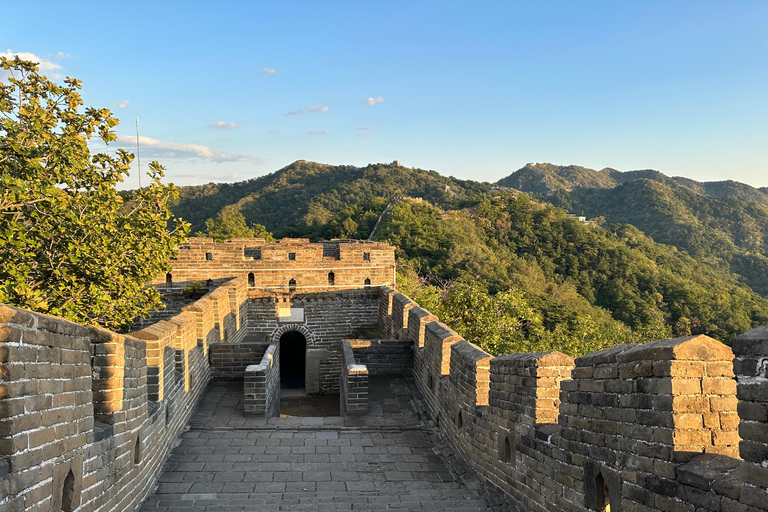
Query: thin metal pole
[[138, 151]]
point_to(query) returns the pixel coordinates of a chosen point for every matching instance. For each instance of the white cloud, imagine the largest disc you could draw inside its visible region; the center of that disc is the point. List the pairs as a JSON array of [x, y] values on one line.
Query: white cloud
[[267, 71], [153, 148], [43, 63], [221, 125], [324, 132], [120, 104], [312, 109], [373, 101], [274, 132]]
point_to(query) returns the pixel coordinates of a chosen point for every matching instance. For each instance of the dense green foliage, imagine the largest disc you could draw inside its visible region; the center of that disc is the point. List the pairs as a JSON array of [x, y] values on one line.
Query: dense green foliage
[[724, 224], [70, 244], [512, 274], [727, 232], [229, 225], [311, 193]]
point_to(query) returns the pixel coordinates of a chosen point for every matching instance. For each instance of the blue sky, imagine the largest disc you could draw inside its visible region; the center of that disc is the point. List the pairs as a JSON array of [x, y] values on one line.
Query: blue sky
[[226, 91]]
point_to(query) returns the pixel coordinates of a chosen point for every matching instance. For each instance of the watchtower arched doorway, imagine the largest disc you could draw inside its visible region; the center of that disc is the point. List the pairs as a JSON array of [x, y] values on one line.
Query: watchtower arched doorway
[[293, 357]]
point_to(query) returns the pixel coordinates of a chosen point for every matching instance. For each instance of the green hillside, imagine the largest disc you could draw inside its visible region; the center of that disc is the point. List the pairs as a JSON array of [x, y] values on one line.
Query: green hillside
[[543, 178], [312, 193], [581, 286], [722, 223]]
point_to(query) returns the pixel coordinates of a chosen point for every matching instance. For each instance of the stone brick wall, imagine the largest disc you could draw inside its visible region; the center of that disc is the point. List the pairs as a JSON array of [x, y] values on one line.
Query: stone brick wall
[[386, 295], [269, 267], [384, 357], [261, 385], [229, 360], [400, 306], [325, 319], [353, 396], [751, 366], [90, 416], [653, 427]]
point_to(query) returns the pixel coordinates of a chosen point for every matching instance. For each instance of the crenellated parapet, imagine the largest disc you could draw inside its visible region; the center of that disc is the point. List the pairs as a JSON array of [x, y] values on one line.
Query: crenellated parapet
[[751, 365], [663, 426], [288, 265], [89, 416]]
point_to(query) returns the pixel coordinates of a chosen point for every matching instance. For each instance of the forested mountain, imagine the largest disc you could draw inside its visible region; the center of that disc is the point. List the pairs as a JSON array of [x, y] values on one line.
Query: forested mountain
[[543, 178], [723, 223], [311, 193], [514, 274]]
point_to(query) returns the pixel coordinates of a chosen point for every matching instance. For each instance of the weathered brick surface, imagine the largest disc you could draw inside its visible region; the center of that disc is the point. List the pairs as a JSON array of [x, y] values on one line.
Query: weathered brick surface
[[653, 427], [384, 357], [400, 306], [751, 368], [269, 267], [353, 394], [261, 385], [386, 295], [325, 320], [101, 408]]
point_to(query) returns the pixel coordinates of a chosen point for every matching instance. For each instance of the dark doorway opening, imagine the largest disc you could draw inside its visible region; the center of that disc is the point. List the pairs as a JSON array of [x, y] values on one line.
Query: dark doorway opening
[[293, 353]]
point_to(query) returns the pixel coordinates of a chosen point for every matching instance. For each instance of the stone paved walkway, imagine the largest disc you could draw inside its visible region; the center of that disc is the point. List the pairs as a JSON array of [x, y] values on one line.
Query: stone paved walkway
[[229, 462]]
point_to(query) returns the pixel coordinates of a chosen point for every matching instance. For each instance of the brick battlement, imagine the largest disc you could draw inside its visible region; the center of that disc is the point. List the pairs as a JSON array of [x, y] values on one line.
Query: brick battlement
[[288, 265], [664, 426], [90, 416]]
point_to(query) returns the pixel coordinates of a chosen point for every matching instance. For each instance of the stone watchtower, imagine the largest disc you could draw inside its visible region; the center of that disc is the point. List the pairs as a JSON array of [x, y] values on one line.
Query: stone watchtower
[[304, 296]]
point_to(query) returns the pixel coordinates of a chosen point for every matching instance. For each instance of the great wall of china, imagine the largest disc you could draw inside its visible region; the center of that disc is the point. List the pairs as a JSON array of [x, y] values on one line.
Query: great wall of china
[[89, 416]]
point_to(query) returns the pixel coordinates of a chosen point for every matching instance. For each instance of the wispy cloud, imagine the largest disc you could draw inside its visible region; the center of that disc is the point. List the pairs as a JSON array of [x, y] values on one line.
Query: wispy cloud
[[274, 132], [373, 101], [154, 148], [324, 132], [44, 63], [312, 109], [221, 125], [267, 71], [121, 103], [364, 130]]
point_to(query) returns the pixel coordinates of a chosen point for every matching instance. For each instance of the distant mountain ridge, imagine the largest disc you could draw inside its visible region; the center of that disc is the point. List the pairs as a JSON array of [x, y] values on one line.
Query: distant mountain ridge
[[544, 178], [723, 223], [312, 192]]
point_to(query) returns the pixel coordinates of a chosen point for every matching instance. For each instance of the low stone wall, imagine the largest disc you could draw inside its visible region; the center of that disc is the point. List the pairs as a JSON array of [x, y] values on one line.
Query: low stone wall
[[229, 361], [324, 319], [90, 416], [354, 384], [384, 357], [261, 385], [653, 427]]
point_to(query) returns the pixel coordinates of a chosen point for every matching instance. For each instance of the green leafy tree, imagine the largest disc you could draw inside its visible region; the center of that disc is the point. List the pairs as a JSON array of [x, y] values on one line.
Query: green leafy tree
[[70, 244], [230, 224]]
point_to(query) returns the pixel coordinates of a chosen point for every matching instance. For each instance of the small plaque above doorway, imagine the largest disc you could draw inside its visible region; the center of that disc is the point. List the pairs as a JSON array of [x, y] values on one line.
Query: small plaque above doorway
[[290, 315]]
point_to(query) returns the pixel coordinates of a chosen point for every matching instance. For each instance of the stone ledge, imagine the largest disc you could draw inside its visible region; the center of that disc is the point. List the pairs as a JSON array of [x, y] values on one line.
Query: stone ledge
[[711, 472]]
